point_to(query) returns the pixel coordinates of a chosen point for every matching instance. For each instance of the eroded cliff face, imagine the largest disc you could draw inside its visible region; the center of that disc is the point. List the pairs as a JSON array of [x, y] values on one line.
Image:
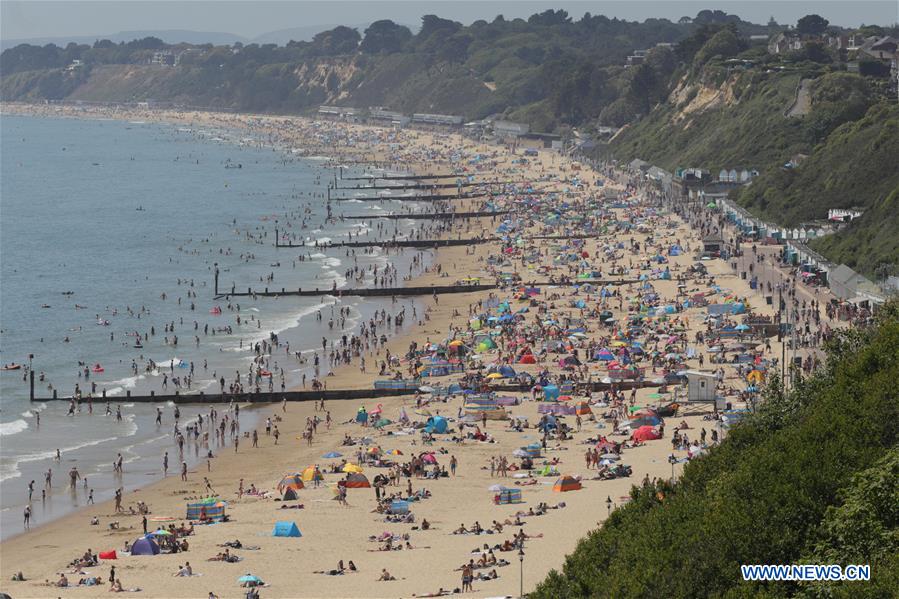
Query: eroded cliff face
[[692, 98], [401, 82], [324, 80], [333, 76]]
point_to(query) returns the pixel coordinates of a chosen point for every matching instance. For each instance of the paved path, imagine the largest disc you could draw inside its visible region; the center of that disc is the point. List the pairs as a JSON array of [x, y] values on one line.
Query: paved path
[[803, 101]]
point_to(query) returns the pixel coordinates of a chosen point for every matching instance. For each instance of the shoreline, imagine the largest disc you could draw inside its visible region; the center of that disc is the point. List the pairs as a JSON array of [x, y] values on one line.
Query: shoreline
[[407, 334], [332, 532]]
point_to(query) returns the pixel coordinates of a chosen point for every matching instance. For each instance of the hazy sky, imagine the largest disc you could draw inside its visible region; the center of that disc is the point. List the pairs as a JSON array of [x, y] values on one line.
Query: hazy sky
[[36, 18]]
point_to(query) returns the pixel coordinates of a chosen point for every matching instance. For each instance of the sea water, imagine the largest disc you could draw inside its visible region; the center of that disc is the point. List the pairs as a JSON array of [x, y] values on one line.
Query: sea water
[[104, 226]]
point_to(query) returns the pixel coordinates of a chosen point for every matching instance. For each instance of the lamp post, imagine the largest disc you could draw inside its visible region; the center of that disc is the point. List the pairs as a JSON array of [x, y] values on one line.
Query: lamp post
[[521, 571], [608, 506]]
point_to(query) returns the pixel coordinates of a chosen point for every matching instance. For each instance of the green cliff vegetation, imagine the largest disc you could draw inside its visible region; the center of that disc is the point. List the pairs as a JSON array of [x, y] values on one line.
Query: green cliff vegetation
[[869, 244], [551, 69], [809, 478], [837, 150]]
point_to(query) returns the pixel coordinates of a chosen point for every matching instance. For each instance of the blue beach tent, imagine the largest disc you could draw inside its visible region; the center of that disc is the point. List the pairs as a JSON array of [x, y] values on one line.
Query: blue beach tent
[[436, 424], [286, 528], [145, 546]]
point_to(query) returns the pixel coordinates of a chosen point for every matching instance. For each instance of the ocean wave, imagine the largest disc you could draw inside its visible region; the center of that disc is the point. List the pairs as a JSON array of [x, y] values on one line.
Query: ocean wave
[[317, 255], [323, 239], [12, 428], [331, 262], [129, 382], [236, 348], [10, 469], [333, 276]]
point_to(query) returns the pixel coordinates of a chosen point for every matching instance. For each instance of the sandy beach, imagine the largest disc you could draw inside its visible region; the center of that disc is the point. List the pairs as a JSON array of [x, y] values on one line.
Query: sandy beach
[[332, 532]]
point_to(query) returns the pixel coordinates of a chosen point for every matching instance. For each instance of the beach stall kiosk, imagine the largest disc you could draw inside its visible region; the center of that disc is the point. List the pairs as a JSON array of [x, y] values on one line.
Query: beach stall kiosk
[[702, 388], [286, 528]]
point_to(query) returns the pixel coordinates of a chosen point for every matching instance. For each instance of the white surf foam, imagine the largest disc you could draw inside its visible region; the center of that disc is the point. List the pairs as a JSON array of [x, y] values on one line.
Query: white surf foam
[[12, 428]]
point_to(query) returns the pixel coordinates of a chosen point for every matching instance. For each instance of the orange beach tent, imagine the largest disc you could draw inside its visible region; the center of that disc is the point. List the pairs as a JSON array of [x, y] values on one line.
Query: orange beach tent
[[566, 483]]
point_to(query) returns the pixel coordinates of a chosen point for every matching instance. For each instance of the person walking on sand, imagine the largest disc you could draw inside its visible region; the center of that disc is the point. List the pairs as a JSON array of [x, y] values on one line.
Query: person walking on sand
[[184, 471], [27, 517], [165, 464]]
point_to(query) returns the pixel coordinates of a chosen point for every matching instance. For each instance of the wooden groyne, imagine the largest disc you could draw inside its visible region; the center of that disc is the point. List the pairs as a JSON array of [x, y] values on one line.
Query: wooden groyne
[[355, 292], [402, 177], [261, 397], [418, 186], [420, 243], [433, 197], [396, 243], [427, 215], [401, 291], [299, 396]]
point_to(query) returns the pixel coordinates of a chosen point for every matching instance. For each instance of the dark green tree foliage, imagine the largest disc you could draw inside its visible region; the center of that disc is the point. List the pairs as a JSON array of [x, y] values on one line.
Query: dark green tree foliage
[[812, 25], [791, 484], [337, 41], [385, 36], [726, 43]]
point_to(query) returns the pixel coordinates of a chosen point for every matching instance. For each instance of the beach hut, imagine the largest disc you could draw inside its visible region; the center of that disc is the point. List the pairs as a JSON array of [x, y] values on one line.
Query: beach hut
[[566, 483], [286, 528], [145, 546], [506, 496], [355, 481]]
